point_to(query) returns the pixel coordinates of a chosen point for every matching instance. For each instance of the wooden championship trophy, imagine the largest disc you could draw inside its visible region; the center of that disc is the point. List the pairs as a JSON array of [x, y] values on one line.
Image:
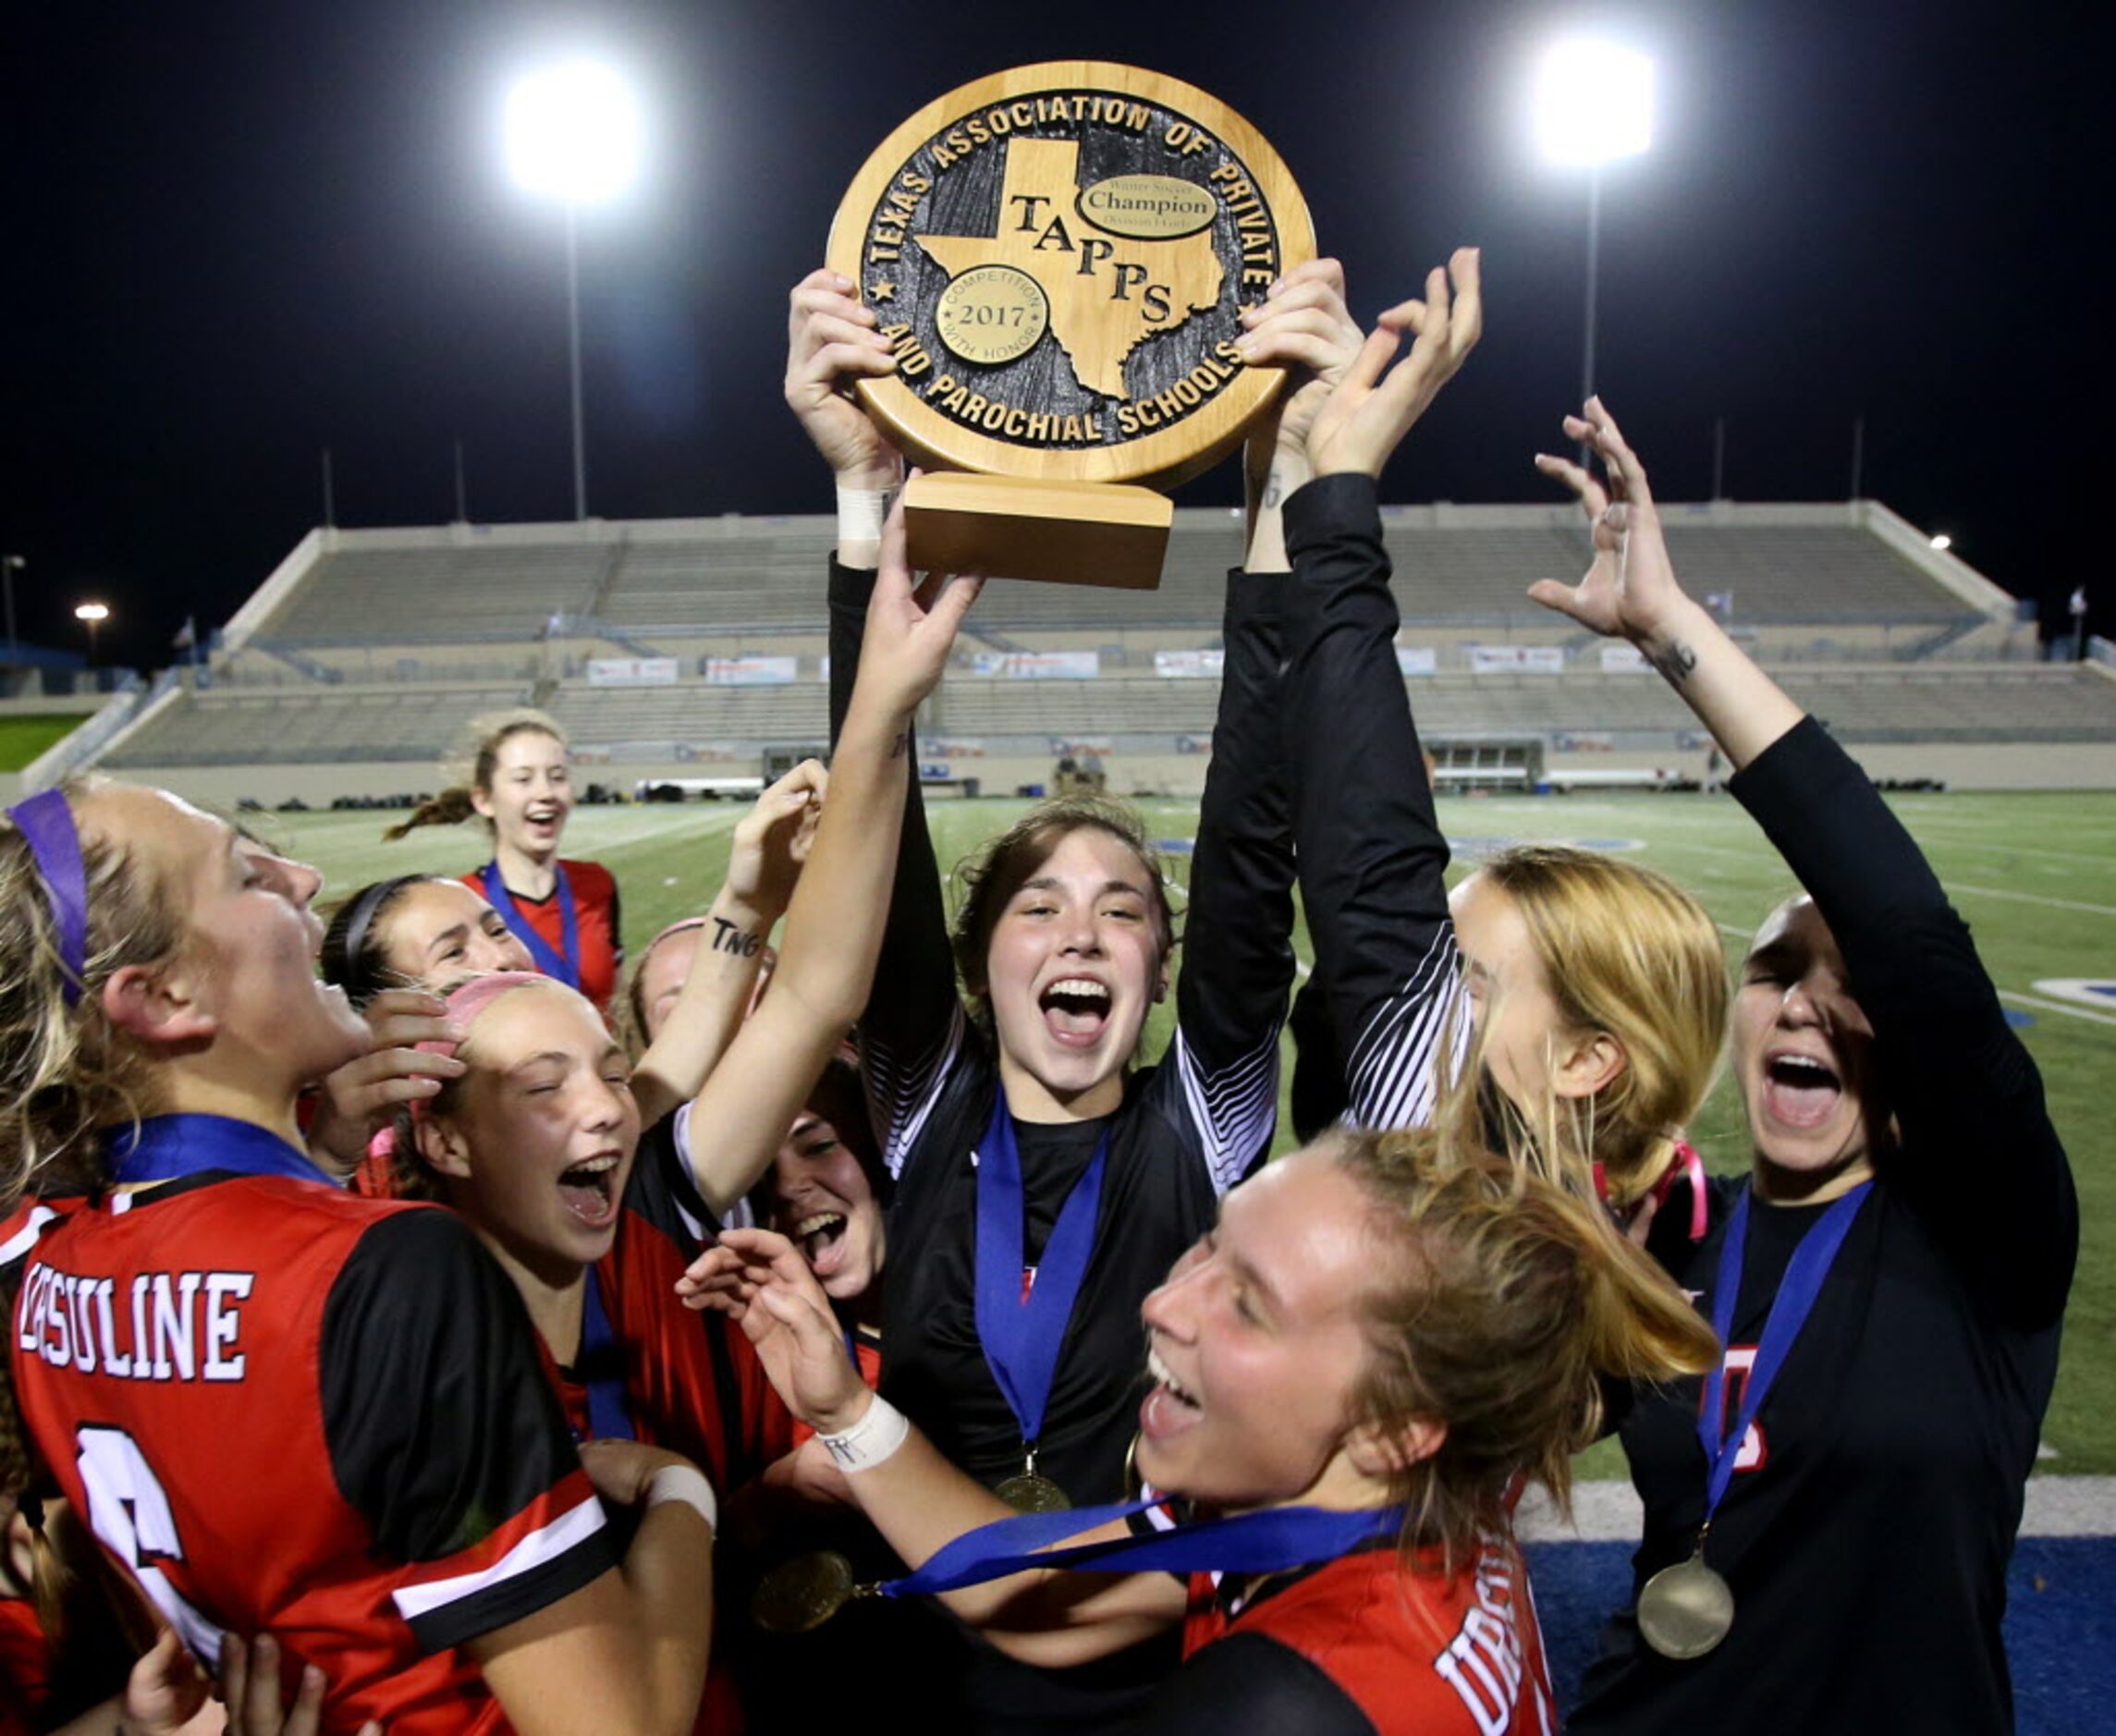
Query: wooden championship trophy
[[1061, 255]]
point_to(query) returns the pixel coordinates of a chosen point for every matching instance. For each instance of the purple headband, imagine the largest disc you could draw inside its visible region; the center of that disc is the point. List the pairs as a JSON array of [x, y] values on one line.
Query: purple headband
[[47, 826]]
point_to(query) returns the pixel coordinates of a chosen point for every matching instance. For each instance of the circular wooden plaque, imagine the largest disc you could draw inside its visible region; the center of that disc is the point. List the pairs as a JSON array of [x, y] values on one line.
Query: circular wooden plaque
[[1061, 255]]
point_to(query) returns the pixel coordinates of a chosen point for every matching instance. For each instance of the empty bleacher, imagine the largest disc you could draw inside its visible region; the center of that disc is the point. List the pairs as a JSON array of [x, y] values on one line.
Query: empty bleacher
[[378, 646]]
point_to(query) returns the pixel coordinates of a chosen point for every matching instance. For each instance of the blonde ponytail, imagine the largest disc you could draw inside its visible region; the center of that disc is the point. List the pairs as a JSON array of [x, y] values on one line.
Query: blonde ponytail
[[1503, 1305]]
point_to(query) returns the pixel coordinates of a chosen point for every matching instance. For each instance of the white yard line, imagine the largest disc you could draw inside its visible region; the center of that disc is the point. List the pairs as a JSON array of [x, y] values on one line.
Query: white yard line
[[2030, 898], [2042, 1004]]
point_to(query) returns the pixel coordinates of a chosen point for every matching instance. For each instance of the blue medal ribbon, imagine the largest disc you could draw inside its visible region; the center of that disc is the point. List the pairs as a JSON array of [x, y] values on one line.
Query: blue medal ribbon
[[170, 1147], [1797, 1291], [567, 968], [1269, 1541], [607, 1417], [1022, 1335]]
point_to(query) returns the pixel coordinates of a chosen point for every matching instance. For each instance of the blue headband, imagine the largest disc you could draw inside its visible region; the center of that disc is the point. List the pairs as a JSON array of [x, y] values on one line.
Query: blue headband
[[47, 824]]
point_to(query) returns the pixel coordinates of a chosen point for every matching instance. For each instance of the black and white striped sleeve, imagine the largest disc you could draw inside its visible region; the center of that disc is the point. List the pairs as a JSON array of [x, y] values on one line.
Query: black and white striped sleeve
[[1373, 861], [1238, 948]]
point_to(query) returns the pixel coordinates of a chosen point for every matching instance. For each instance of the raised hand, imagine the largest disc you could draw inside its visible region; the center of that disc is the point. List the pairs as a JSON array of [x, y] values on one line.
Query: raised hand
[[772, 842], [1303, 326], [1630, 590], [910, 630], [1370, 412], [358, 1097], [832, 340], [759, 1277]]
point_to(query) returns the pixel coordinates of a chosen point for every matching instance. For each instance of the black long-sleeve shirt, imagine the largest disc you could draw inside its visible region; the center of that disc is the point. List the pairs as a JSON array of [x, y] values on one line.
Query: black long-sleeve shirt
[[1372, 860], [1867, 1527]]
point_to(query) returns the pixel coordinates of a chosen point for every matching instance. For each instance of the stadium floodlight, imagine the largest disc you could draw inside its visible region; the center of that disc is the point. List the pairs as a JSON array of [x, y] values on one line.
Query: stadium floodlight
[[573, 134], [1592, 105], [1943, 542], [1594, 102], [93, 614]]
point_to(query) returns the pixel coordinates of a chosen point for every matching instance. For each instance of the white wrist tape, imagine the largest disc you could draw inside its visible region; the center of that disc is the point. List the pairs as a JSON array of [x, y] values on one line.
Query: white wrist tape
[[686, 1485], [861, 512], [874, 1437]]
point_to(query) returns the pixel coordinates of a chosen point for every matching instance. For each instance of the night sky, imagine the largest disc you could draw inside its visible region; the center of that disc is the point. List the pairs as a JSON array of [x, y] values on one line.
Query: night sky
[[241, 232]]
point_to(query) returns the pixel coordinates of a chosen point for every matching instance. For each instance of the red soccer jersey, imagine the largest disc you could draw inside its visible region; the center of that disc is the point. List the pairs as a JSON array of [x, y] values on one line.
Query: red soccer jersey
[[595, 912], [1419, 1652], [691, 1382], [285, 1410]]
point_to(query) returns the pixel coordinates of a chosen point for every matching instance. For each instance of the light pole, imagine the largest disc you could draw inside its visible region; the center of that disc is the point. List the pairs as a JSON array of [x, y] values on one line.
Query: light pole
[[1594, 105], [94, 614], [572, 132], [9, 566]]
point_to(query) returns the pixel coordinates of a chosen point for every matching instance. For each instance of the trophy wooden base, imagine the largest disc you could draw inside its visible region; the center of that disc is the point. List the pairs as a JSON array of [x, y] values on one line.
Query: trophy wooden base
[[1004, 527]]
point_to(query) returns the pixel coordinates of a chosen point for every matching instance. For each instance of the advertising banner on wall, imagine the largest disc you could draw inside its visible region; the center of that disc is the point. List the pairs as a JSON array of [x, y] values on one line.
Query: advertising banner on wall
[[632, 671], [1189, 664], [1040, 666], [749, 671], [1517, 659], [1417, 660]]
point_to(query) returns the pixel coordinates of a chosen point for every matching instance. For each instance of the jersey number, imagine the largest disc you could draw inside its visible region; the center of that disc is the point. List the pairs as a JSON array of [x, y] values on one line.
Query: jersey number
[[128, 1511]]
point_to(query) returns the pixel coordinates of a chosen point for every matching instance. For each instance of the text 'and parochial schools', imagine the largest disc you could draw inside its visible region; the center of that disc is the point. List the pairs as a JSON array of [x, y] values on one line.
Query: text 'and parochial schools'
[[1141, 416], [164, 1326]]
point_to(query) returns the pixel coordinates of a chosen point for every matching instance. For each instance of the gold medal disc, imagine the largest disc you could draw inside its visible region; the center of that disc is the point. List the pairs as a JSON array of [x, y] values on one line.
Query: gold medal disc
[[800, 1596], [1685, 1610], [1032, 1494]]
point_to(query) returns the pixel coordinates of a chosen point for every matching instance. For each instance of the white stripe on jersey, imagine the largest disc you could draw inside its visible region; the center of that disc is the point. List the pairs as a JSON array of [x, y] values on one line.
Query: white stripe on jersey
[[900, 1097], [1234, 1109], [572, 1527], [1395, 1072], [24, 1238]]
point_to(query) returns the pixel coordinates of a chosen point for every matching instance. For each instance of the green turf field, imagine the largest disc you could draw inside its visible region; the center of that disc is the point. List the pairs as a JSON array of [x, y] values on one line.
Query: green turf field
[[23, 738], [2033, 872]]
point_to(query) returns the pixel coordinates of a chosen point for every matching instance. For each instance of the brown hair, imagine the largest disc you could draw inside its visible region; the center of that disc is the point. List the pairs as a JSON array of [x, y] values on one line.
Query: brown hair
[[999, 870], [1625, 951], [472, 767], [1508, 1301]]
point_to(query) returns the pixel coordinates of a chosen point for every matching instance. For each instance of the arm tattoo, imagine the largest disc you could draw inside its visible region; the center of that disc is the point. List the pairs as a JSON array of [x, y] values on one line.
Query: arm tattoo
[[727, 938], [1274, 489], [902, 741], [1676, 662]]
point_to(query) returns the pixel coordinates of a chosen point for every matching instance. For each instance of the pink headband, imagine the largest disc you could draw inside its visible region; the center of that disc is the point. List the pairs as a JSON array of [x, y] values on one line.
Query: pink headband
[[465, 1002]]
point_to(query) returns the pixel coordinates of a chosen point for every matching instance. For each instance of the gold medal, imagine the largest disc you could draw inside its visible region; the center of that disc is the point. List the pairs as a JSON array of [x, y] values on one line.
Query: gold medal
[[1031, 1494], [800, 1596], [1685, 1610]]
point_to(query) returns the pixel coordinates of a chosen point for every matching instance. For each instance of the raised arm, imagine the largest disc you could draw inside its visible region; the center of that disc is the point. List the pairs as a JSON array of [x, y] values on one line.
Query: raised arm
[[833, 926], [770, 844], [913, 1018], [1372, 857], [1977, 1150], [1230, 996]]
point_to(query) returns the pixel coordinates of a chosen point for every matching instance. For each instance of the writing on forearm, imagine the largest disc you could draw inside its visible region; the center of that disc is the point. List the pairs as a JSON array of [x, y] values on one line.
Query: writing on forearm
[[729, 937], [897, 747], [1675, 660]]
